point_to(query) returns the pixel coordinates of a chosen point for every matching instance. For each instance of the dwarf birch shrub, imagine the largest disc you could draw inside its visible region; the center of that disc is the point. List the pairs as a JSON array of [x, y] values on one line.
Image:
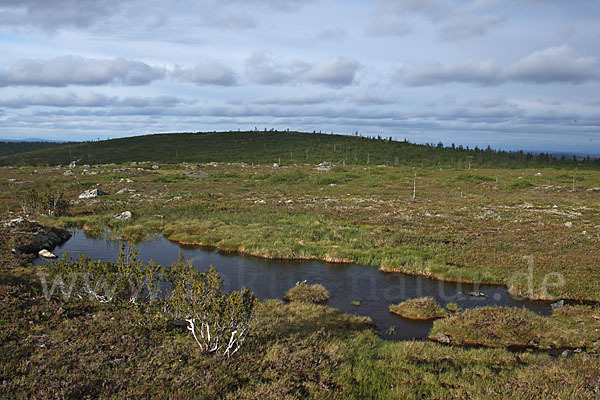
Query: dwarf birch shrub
[[218, 321]]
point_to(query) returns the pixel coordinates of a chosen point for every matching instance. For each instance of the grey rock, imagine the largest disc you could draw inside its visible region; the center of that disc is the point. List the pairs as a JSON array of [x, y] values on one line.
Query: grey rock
[[68, 173], [155, 166], [569, 224]]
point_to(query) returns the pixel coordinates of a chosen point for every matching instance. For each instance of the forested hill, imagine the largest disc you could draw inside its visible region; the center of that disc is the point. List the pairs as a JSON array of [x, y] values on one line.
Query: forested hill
[[7, 148], [286, 148]]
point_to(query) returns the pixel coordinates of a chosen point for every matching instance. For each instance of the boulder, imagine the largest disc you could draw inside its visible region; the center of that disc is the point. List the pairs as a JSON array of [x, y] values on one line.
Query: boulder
[[92, 193], [46, 254]]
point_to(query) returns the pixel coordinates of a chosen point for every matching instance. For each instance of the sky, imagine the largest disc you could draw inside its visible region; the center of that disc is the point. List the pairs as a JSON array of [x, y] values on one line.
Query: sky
[[512, 74]]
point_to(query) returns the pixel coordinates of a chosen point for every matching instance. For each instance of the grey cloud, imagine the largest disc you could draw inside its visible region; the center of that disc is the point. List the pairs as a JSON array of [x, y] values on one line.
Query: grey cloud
[[331, 35], [468, 27], [388, 27], [371, 100], [555, 64], [72, 70], [209, 72], [89, 100], [455, 20], [51, 14], [216, 18], [336, 72], [264, 70], [431, 8], [318, 98], [480, 73]]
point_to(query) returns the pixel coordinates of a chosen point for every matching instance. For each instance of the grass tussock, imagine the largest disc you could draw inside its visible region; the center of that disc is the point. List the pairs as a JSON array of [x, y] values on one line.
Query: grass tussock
[[423, 308], [304, 293]]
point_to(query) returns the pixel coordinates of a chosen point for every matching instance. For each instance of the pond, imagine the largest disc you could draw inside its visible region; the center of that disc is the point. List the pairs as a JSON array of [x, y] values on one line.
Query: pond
[[346, 283]]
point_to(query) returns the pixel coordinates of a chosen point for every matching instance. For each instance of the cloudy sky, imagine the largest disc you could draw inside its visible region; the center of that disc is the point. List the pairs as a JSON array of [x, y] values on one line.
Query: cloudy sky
[[508, 73]]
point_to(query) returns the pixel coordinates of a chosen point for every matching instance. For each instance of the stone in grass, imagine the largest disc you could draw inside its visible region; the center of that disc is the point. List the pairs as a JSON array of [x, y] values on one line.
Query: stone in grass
[[92, 193], [307, 293], [422, 308]]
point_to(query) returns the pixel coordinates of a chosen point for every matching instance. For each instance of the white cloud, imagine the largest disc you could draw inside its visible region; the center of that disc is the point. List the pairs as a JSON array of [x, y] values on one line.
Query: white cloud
[[73, 70], [209, 72]]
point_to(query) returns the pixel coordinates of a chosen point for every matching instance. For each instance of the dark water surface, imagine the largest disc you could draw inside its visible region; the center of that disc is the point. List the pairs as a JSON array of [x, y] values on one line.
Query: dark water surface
[[346, 283]]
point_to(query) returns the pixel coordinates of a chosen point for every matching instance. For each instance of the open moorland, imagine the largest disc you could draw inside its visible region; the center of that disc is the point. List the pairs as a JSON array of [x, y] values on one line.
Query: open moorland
[[528, 222]]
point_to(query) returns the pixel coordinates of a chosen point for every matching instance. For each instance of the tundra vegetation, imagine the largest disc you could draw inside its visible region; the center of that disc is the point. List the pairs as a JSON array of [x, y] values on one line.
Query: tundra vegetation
[[528, 222]]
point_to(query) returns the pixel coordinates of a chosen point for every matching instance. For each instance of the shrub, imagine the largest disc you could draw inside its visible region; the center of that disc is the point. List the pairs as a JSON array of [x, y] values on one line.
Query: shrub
[[218, 321], [307, 293], [422, 308]]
